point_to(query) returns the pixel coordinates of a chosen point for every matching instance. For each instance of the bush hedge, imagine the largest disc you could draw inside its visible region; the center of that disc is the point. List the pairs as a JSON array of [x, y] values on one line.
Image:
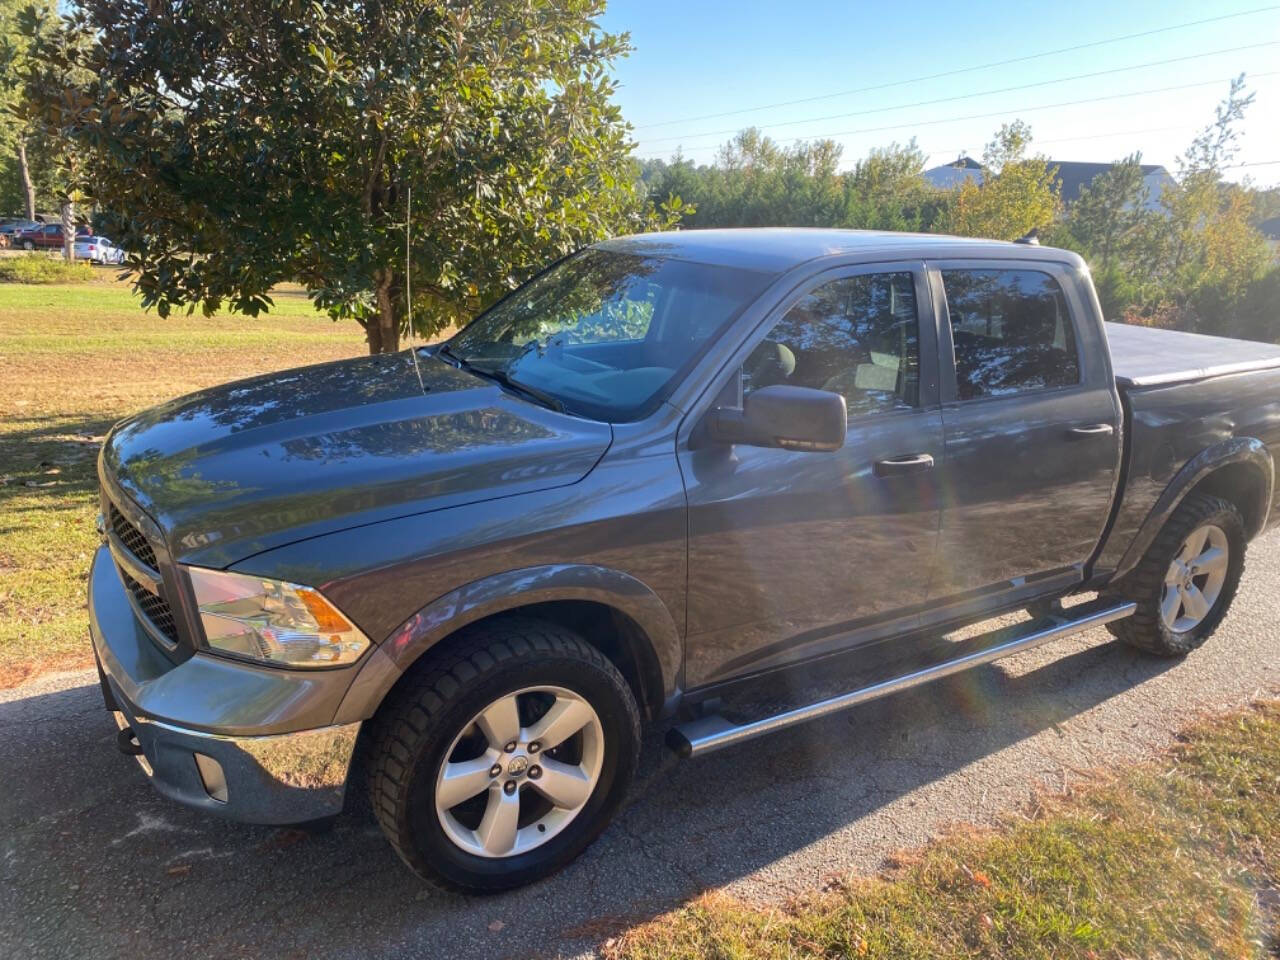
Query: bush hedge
[[39, 268]]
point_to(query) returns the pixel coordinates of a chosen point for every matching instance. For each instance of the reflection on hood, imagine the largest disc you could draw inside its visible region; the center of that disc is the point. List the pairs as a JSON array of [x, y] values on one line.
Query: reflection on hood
[[248, 466]]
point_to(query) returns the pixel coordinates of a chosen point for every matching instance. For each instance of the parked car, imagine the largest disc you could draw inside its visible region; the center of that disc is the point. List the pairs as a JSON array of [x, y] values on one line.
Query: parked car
[[468, 575], [45, 236], [11, 228], [97, 250]]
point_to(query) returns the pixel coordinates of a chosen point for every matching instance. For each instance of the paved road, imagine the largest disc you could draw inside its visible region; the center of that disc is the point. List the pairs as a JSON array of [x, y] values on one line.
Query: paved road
[[93, 863]]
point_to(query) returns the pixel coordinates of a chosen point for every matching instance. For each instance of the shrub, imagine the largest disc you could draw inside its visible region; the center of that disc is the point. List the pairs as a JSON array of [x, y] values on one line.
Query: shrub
[[38, 268]]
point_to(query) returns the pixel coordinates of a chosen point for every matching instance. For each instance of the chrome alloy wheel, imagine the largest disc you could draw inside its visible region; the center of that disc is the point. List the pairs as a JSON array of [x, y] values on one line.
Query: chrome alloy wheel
[[520, 771], [1195, 578]]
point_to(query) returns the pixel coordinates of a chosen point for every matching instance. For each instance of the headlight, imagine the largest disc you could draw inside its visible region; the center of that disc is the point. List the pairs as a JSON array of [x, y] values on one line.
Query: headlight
[[273, 621]]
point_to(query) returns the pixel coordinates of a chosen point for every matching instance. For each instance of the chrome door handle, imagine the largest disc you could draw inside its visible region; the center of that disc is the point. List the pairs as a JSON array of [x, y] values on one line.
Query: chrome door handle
[[1093, 430], [898, 466]]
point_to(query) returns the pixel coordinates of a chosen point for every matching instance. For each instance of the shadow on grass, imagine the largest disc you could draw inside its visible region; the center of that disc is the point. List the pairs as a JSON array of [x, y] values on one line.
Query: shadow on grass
[[50, 463]]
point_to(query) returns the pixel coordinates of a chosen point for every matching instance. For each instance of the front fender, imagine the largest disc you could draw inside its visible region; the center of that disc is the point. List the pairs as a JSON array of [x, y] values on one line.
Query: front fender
[[1236, 450], [509, 591]]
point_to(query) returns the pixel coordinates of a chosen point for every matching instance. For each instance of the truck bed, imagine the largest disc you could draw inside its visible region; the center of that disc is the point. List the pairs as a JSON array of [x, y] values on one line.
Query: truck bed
[[1148, 357]]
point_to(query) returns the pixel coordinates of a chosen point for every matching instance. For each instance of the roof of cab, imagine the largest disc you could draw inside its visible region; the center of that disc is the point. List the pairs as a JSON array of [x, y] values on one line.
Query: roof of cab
[[776, 249]]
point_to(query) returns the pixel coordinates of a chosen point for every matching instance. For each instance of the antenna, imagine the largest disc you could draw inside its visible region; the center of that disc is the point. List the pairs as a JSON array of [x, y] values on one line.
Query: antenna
[[408, 299]]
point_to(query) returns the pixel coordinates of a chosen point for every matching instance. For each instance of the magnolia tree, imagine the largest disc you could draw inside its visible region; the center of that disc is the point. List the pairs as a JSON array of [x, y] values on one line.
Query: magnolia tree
[[237, 145]]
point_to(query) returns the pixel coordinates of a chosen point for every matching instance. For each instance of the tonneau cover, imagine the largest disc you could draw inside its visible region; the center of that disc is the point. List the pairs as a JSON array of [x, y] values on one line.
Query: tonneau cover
[[1148, 357]]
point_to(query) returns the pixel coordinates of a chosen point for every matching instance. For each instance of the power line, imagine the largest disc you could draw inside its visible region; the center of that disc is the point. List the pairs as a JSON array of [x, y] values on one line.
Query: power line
[[952, 73], [983, 93], [1007, 112]]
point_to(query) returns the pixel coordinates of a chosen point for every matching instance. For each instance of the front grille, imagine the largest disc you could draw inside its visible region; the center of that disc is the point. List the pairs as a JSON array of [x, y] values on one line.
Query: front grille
[[156, 609], [133, 539]]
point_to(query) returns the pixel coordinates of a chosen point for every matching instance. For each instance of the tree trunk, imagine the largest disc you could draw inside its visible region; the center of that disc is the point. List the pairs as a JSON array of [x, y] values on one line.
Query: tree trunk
[[68, 229], [383, 331], [24, 172]]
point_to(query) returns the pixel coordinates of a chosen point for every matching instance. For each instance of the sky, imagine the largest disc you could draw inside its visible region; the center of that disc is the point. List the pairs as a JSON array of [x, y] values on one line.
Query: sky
[[697, 58]]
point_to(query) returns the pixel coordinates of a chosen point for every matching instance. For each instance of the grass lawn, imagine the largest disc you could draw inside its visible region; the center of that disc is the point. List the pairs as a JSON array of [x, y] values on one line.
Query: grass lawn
[[73, 360], [1176, 859]]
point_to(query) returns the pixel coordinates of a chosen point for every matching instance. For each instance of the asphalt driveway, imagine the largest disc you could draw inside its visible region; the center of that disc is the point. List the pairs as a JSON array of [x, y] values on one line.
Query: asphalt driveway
[[93, 863]]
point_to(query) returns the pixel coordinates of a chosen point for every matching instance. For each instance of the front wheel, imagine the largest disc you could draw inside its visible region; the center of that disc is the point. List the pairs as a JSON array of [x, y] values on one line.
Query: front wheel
[[28, 245], [504, 756], [1186, 581]]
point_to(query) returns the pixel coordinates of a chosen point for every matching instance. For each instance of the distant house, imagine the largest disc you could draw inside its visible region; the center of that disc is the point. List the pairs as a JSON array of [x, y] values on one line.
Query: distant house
[[1073, 175], [1270, 229], [951, 175]]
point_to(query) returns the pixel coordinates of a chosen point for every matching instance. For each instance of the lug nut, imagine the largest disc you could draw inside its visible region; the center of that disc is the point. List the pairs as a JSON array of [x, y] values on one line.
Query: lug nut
[[509, 787], [510, 747], [535, 747], [495, 770], [535, 772]]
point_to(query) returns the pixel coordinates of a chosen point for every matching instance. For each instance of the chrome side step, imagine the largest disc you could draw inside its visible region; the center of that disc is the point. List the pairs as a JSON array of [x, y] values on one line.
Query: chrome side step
[[705, 734]]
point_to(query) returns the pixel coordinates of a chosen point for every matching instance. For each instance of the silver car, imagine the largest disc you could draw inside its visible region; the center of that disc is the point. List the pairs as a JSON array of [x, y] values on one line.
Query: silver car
[[98, 250]]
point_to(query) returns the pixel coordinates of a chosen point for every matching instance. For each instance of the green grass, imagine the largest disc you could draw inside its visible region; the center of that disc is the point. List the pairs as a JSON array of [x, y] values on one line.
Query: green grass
[[73, 360], [42, 268], [1177, 859]]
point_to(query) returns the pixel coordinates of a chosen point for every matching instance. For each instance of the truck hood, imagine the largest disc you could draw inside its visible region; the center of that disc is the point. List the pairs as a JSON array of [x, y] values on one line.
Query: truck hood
[[253, 465]]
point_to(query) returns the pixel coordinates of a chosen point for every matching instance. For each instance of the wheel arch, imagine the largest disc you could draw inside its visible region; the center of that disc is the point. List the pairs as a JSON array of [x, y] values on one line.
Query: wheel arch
[[1239, 470], [613, 611]]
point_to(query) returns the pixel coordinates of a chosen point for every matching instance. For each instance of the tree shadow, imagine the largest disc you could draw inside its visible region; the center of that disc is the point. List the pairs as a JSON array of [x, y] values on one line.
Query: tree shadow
[[173, 875], [49, 464]]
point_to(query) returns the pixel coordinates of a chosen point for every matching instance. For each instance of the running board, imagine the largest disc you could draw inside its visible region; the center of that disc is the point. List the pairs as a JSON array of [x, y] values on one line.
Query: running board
[[705, 734]]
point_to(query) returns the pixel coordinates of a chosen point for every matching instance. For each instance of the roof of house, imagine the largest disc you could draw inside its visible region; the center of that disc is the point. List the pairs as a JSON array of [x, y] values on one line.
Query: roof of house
[[1270, 228], [777, 249], [1073, 174]]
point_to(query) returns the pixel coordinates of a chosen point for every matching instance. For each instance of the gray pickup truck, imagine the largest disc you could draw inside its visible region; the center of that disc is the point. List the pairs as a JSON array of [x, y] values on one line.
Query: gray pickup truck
[[463, 577]]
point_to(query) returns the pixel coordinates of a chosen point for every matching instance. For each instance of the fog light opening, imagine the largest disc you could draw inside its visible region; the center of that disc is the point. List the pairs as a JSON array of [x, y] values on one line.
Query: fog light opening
[[215, 781]]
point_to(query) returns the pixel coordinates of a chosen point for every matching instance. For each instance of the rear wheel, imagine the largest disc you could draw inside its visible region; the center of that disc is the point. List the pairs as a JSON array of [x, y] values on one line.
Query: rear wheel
[[1185, 583], [504, 756]]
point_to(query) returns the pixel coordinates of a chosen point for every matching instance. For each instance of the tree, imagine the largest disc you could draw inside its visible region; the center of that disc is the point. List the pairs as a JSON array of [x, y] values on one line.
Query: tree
[[16, 179], [1106, 224], [1203, 254], [1110, 209], [235, 146], [886, 190], [1017, 193]]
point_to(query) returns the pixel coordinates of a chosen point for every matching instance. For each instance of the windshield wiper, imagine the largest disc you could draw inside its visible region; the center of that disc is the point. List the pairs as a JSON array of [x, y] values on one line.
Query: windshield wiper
[[501, 378], [530, 393]]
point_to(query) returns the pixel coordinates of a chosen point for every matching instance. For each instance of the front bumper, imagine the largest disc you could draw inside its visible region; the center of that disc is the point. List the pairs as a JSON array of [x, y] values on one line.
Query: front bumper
[[234, 739]]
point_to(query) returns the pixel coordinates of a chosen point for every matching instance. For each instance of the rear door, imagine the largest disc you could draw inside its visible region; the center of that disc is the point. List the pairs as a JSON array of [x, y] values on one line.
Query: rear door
[[1031, 420]]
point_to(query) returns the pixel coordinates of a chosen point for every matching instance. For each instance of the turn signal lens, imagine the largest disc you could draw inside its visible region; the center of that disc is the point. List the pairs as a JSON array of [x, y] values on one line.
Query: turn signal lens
[[273, 621]]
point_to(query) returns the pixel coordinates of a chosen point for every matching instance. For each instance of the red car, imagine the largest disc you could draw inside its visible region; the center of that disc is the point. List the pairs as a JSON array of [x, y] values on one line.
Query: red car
[[48, 236]]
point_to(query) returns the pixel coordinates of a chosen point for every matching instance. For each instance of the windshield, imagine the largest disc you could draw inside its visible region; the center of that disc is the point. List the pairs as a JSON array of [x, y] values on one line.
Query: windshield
[[606, 335]]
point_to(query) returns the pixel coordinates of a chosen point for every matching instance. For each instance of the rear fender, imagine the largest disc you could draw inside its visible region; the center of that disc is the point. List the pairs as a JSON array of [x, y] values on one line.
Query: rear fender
[[1247, 450], [510, 591]]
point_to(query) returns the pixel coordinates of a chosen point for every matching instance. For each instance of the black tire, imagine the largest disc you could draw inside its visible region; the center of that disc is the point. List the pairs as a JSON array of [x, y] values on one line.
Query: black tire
[[1147, 629], [421, 720]]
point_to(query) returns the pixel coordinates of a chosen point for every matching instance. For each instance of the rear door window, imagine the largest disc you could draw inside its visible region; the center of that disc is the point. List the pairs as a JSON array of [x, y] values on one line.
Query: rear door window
[[1011, 332]]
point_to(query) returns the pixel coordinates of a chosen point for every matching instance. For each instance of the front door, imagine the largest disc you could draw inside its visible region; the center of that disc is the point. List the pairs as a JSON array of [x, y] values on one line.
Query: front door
[[794, 554], [1032, 424]]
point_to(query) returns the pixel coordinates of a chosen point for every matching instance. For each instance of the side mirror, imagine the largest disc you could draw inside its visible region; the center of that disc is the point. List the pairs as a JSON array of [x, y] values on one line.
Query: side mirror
[[793, 418]]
